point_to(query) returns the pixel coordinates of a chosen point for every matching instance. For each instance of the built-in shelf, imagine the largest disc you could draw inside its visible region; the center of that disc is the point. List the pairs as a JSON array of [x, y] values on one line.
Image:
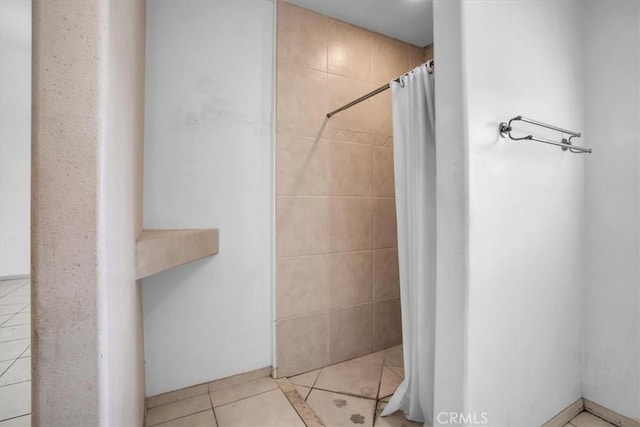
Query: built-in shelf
[[159, 250]]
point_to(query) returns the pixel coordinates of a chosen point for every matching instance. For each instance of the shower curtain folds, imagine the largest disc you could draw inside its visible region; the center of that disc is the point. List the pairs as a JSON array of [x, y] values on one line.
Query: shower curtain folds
[[415, 183]]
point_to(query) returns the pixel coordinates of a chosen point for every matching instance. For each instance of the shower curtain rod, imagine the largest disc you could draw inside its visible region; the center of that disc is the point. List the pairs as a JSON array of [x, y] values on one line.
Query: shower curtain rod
[[429, 65]]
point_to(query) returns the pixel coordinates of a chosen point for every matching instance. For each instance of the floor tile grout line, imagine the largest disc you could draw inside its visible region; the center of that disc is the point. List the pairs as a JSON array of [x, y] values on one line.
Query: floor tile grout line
[[25, 350], [13, 418], [17, 382], [379, 383], [7, 368], [215, 417], [345, 393], [19, 324], [293, 407], [173, 419], [16, 339], [12, 316], [12, 291], [375, 413], [244, 398], [21, 310], [28, 283], [285, 383], [315, 381]]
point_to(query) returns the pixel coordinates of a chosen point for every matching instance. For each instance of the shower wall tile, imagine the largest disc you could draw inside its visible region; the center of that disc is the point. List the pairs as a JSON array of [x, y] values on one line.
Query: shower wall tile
[[384, 223], [350, 333], [303, 226], [416, 56], [382, 117], [337, 270], [302, 37], [386, 278], [390, 59], [350, 224], [349, 51], [380, 140], [428, 52], [342, 90], [303, 285], [302, 343], [351, 169], [302, 95], [302, 166], [350, 278], [383, 179], [387, 324]]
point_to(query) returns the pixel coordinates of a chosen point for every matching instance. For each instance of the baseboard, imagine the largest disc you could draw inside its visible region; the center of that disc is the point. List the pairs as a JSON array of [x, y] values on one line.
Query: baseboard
[[16, 277], [609, 415], [195, 390], [566, 414]]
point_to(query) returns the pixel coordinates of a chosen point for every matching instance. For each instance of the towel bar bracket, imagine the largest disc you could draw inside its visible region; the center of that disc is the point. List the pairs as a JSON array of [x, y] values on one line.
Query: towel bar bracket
[[565, 144]]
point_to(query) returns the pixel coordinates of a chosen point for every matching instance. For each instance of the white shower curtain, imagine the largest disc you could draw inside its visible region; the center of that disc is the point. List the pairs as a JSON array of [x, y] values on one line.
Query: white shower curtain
[[415, 182]]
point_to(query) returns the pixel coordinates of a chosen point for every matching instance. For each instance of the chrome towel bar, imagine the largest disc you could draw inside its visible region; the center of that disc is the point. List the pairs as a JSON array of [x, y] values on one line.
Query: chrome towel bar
[[566, 144]]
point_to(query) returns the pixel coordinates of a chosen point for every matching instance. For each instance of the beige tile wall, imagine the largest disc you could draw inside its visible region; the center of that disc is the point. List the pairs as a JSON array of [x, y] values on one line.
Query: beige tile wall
[[337, 266], [428, 52]]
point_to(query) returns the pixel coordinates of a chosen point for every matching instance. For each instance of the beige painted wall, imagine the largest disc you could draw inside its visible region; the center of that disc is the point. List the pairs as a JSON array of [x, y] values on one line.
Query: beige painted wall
[[88, 71], [337, 268]]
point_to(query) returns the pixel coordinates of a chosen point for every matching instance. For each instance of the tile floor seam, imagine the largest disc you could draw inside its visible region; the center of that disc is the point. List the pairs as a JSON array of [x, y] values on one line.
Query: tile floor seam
[[17, 339], [7, 368], [17, 382], [343, 392], [11, 316], [213, 409], [244, 398], [314, 382], [13, 303], [22, 356], [597, 416], [294, 408], [379, 386], [13, 418], [173, 419], [10, 292], [18, 324]]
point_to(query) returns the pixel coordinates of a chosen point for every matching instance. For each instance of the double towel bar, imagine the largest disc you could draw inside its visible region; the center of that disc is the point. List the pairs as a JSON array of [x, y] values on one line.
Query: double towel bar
[[565, 144]]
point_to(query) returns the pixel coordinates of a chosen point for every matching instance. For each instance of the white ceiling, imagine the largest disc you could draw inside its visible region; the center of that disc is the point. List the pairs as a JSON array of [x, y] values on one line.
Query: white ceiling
[[407, 20]]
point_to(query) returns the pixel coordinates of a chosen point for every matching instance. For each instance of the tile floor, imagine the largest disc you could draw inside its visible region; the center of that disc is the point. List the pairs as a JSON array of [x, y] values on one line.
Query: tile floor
[[356, 391], [15, 353], [585, 419], [346, 394]]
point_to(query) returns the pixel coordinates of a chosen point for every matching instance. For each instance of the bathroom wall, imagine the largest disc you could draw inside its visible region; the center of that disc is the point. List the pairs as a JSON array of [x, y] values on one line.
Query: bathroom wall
[[521, 312], [611, 337], [337, 267], [451, 212], [208, 163], [15, 137], [88, 70]]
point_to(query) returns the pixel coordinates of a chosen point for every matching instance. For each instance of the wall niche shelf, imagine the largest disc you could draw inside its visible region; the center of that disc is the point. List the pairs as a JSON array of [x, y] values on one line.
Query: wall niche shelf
[[159, 250]]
